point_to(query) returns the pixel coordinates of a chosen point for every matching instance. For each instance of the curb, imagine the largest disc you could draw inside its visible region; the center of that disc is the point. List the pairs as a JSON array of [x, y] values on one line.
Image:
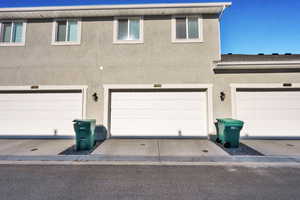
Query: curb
[[149, 160]]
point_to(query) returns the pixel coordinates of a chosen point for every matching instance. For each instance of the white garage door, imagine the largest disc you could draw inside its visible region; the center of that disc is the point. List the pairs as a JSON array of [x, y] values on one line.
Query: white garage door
[[39, 113], [269, 112], [158, 113]]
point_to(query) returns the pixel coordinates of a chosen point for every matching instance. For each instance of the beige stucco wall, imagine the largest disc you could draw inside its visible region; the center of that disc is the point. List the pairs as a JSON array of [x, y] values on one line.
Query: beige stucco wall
[[222, 83], [157, 60]]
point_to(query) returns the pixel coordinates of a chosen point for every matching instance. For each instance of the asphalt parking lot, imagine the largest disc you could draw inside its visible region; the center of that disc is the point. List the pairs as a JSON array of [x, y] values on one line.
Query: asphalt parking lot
[[35, 182]]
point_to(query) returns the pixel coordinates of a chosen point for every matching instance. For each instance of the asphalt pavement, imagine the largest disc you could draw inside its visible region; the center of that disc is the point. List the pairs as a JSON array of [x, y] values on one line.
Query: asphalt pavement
[[43, 182]]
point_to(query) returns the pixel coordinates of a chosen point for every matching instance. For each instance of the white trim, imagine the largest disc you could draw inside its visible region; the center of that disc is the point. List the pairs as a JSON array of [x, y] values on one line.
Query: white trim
[[151, 86], [115, 31], [233, 102], [45, 87], [262, 85], [133, 6], [209, 88], [54, 30], [258, 63], [24, 24], [234, 86], [187, 40], [210, 112], [106, 109], [84, 101], [7, 44], [56, 87]]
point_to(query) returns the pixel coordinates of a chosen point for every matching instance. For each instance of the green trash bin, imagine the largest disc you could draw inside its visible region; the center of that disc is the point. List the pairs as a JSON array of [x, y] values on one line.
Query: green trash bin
[[217, 139], [229, 132], [85, 133]]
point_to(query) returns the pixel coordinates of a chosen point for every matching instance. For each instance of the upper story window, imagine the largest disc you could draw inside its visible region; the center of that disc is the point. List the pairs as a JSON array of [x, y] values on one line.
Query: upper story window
[[128, 30], [66, 32], [187, 29], [12, 33]]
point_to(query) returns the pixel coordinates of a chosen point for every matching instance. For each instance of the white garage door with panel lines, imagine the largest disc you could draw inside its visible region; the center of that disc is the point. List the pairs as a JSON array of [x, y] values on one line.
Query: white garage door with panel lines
[[269, 112], [158, 113], [39, 112]]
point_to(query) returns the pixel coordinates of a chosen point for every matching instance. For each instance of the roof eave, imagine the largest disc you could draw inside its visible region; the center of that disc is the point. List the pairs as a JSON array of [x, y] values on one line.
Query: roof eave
[[128, 6], [112, 10], [295, 62]]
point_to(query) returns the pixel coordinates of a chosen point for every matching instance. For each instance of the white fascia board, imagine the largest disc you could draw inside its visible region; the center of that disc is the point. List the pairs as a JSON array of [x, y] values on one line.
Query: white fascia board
[[108, 7], [296, 62]]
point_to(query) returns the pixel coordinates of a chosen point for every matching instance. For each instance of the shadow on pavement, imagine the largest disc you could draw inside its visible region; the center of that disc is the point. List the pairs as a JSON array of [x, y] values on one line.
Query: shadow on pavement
[[242, 150], [72, 150]]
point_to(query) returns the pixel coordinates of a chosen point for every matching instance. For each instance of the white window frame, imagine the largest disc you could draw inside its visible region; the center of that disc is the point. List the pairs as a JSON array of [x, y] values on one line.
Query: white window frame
[[54, 30], [23, 33], [200, 29], [116, 25]]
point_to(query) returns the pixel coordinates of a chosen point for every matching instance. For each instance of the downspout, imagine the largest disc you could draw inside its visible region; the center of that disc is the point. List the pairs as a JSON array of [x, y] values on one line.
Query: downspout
[[220, 54], [220, 16]]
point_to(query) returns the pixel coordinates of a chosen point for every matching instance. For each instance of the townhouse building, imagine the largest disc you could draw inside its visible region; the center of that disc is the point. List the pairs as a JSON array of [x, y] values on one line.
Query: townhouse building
[[147, 70]]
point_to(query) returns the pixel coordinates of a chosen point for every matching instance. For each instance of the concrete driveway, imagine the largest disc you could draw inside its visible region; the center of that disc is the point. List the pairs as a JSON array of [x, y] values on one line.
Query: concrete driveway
[[159, 147], [34, 146], [275, 147]]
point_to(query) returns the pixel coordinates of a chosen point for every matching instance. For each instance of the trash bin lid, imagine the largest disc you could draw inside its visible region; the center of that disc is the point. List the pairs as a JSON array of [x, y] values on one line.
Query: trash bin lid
[[230, 121], [84, 120]]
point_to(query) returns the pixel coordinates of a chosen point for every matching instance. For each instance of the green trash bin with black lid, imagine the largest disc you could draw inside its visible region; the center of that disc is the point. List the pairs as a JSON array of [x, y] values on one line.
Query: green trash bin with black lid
[[85, 133], [229, 132]]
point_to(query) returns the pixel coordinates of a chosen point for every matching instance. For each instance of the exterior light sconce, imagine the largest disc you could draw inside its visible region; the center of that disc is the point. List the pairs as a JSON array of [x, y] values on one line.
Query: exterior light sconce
[[95, 97], [222, 96]]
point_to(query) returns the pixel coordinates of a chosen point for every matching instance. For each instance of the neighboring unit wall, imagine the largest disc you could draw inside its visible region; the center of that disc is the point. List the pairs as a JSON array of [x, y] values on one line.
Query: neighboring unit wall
[[222, 84], [157, 60]]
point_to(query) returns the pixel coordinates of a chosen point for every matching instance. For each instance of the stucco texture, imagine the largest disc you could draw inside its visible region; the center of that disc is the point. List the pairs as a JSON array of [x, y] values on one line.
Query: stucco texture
[[157, 60]]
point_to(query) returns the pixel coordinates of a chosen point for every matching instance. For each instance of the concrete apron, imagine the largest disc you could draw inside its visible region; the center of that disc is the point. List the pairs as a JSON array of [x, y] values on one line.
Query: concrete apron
[[34, 147], [150, 152], [153, 152], [159, 148], [275, 147]]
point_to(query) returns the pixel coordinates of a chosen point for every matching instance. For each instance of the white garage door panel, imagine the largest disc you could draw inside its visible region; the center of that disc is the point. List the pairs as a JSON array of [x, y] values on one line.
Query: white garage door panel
[[269, 113], [40, 114], [158, 114]]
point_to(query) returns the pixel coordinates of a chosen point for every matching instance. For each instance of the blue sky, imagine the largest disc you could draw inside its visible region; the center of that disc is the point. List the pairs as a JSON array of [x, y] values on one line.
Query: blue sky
[[249, 26]]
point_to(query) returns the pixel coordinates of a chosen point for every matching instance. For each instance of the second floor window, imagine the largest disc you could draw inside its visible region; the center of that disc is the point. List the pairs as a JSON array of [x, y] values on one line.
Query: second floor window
[[128, 30], [12, 33], [187, 29], [66, 32]]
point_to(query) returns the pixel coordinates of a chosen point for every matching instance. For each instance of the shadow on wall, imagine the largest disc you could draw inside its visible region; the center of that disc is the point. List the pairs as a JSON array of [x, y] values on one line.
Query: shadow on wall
[[100, 133]]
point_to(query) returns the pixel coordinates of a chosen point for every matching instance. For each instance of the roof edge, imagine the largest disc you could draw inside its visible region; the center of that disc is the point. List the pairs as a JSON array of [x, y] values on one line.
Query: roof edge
[[294, 62], [119, 6]]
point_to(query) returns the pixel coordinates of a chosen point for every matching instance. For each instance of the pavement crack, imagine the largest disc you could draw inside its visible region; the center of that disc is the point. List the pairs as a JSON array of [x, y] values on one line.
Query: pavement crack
[[159, 159]]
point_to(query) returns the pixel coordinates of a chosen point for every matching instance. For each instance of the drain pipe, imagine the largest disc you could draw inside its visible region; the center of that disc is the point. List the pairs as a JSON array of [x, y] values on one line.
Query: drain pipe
[[223, 9]]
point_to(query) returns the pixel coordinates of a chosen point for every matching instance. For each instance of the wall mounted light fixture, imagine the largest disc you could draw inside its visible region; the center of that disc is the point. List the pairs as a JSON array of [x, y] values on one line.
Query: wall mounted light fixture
[[287, 85], [95, 97], [222, 96]]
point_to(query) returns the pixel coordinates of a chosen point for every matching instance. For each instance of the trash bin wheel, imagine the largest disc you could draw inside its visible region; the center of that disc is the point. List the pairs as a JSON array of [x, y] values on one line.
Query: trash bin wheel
[[227, 145], [218, 140]]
